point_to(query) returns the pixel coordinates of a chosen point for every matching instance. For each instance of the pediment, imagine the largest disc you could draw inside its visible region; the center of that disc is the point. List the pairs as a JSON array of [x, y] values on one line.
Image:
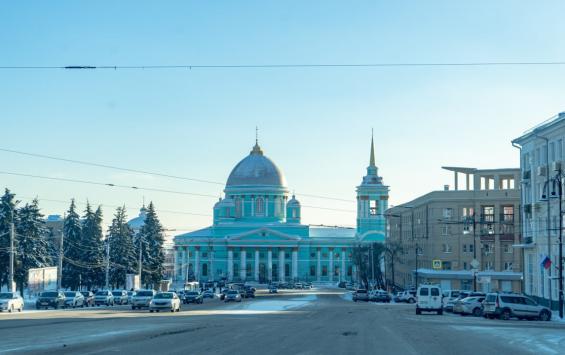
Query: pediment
[[263, 234]]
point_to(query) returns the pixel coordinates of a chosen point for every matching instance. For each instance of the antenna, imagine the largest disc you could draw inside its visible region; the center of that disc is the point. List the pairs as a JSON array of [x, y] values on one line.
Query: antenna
[[256, 135]]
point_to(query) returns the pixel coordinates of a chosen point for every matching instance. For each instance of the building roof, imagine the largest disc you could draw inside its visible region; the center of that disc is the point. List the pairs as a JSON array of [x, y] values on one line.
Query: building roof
[[547, 124], [256, 170], [332, 232], [138, 222]]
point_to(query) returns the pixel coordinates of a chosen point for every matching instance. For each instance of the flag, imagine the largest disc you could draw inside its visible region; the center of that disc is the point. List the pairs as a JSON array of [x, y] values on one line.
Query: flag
[[545, 262]]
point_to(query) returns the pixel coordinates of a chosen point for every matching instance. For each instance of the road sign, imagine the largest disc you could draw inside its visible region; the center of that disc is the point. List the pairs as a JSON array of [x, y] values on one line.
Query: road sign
[[475, 264], [436, 264]]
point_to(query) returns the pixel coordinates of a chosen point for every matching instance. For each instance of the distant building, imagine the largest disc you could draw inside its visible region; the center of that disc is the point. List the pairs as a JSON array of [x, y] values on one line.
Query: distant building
[[439, 242], [257, 234], [541, 160]]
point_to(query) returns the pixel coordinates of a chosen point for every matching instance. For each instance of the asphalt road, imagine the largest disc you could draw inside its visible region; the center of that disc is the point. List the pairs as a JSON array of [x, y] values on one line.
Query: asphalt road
[[309, 322]]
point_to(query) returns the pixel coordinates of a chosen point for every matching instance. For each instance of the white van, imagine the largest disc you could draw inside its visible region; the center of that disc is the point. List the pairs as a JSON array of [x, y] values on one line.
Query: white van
[[429, 299]]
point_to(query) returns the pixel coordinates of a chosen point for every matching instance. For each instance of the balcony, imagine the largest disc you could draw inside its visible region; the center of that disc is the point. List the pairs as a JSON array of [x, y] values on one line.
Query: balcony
[[487, 218], [506, 218]]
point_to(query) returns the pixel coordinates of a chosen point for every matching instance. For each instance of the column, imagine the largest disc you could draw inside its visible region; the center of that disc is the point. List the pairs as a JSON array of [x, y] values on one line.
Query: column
[[456, 181], [230, 264], [256, 271], [342, 271], [197, 264], [176, 265], [270, 265], [281, 264], [318, 265], [212, 272], [243, 266], [331, 266], [185, 263], [294, 263]]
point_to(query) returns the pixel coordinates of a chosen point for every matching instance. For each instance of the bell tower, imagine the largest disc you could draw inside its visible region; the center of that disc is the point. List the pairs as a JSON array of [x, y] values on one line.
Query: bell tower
[[372, 202]]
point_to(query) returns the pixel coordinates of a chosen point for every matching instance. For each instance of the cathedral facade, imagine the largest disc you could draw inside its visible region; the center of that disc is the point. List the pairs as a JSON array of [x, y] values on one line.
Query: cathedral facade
[[257, 234]]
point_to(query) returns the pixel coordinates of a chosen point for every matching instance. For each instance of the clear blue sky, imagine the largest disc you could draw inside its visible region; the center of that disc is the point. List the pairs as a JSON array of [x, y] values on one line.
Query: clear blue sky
[[314, 123]]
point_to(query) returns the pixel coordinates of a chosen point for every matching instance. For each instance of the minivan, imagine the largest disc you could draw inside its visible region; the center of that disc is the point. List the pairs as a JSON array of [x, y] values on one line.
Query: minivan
[[429, 299]]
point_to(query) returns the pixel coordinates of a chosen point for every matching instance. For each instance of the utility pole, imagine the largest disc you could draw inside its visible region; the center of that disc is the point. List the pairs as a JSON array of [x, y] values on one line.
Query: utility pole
[[60, 268], [140, 258], [559, 182], [107, 263], [12, 256]]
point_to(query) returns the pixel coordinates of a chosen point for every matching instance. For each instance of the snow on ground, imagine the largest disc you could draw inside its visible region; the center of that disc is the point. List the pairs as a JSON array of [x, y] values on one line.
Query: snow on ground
[[555, 317], [280, 305]]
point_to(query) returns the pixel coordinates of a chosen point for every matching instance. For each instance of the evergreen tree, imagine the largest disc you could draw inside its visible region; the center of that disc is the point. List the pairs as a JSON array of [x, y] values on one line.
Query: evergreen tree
[[92, 248], [153, 237], [122, 251], [73, 268], [7, 212], [32, 247]]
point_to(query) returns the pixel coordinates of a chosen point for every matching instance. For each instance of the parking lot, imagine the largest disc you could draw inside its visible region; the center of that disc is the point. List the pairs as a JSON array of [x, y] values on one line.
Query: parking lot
[[317, 321]]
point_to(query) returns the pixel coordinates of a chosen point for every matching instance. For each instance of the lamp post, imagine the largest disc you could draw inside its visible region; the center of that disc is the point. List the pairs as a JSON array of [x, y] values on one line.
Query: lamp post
[[558, 180]]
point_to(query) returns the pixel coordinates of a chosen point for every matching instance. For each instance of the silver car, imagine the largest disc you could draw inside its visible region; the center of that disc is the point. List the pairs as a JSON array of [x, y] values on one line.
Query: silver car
[[469, 305], [508, 305], [104, 298], [232, 296], [165, 301], [120, 296], [10, 301], [74, 299], [142, 299]]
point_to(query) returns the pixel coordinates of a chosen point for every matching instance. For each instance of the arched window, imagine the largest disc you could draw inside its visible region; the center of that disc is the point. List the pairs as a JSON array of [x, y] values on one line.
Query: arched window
[[237, 207], [204, 269], [259, 206]]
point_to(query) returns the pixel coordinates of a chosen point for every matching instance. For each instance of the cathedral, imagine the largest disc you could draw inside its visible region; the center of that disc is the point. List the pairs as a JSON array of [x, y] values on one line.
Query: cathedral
[[257, 234]]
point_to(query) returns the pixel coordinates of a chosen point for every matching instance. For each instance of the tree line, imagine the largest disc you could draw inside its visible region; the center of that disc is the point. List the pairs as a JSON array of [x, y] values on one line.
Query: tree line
[[85, 245]]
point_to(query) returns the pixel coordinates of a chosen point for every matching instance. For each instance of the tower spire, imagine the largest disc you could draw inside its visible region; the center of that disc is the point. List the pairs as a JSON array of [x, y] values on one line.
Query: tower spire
[[256, 149], [372, 161]]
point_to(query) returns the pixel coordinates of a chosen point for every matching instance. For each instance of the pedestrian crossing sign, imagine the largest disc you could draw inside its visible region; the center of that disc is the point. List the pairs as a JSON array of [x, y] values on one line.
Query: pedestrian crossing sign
[[436, 264]]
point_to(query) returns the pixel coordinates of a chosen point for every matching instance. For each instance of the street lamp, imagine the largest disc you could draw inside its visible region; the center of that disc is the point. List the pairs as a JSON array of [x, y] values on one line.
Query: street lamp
[[558, 182]]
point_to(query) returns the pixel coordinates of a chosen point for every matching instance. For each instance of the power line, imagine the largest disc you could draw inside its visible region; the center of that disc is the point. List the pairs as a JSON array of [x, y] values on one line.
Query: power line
[[285, 66], [142, 188], [145, 172]]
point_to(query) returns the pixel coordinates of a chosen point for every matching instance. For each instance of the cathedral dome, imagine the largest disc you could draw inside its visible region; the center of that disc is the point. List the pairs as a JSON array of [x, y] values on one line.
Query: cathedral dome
[[256, 170]]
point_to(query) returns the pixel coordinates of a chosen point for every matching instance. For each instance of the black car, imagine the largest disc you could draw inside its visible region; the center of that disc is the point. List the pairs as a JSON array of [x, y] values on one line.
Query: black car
[[50, 299], [192, 297], [342, 284], [249, 292], [88, 298]]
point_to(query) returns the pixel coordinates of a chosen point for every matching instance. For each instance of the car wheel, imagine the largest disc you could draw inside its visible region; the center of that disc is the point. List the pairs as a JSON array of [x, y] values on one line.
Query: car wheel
[[11, 309], [150, 311], [440, 312], [411, 300], [505, 315], [418, 311], [544, 316], [173, 309]]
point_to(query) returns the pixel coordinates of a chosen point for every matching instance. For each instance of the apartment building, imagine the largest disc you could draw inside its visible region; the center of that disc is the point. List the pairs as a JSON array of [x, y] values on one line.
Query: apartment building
[[461, 238], [541, 164]]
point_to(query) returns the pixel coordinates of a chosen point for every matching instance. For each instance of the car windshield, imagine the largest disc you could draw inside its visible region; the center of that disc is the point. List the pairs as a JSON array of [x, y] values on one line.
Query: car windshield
[[101, 293], [5, 295], [86, 293], [192, 293], [117, 293], [435, 291], [232, 292], [423, 292], [70, 294], [166, 296], [144, 294], [49, 294]]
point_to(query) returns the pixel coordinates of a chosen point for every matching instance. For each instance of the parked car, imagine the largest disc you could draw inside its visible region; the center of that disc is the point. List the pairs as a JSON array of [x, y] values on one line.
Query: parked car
[[232, 295], [379, 296], [470, 305], [360, 295], [73, 299], [47, 299], [103, 297], [208, 294], [349, 286], [273, 289], [142, 299], [249, 292], [429, 299], [10, 301], [192, 297], [449, 297], [223, 294], [120, 296], [506, 306], [407, 296], [88, 298], [165, 301], [130, 296]]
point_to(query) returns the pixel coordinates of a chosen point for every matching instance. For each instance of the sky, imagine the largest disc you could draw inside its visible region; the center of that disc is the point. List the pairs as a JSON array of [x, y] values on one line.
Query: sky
[[315, 123]]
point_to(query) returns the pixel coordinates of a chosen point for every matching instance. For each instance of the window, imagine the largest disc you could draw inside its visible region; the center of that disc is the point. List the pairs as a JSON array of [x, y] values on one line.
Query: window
[[312, 270], [471, 248], [467, 212], [508, 266], [445, 230], [204, 255], [324, 270], [446, 248], [488, 265], [446, 265], [259, 206], [508, 248], [312, 255], [204, 269], [447, 213], [238, 209], [349, 271], [464, 265], [424, 291], [489, 248], [434, 291], [560, 149], [464, 248], [373, 207], [294, 213]]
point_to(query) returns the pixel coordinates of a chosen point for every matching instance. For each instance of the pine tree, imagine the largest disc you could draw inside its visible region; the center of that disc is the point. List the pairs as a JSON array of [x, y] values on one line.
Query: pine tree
[[92, 247], [153, 237], [7, 211], [122, 251], [73, 268], [32, 247]]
